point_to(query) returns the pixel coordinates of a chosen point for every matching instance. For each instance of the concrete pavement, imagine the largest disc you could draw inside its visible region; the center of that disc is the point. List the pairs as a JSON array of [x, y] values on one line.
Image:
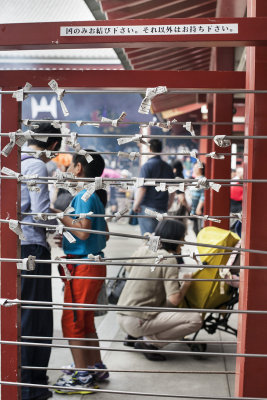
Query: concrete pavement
[[199, 376]]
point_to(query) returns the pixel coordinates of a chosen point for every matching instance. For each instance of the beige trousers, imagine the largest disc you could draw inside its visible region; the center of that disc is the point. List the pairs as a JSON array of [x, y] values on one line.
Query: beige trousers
[[164, 326]]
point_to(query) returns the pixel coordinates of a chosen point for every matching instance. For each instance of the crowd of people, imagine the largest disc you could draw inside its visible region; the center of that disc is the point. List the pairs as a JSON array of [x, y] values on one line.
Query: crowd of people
[[78, 325]]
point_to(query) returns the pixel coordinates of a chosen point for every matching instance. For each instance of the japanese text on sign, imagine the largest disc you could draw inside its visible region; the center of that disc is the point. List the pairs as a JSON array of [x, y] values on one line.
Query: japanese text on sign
[[147, 30]]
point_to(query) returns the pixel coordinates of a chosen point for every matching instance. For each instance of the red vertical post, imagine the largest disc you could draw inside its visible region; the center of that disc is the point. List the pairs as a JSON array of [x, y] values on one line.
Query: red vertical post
[[251, 376], [222, 112], [9, 248], [207, 160]]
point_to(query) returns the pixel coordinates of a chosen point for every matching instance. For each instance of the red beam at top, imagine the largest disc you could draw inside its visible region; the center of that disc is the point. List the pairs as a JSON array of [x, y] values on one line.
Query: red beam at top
[[127, 79], [173, 32]]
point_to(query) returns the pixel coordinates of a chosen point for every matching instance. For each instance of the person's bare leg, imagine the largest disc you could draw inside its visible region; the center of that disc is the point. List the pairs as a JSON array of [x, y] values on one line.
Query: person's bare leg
[[93, 356], [79, 355]]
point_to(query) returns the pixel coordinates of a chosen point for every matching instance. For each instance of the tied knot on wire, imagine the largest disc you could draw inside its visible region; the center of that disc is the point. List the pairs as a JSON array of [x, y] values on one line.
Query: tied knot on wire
[[114, 122], [96, 258], [131, 156], [222, 141], [215, 156], [92, 187], [72, 140], [60, 94], [189, 127], [41, 153], [208, 218], [155, 214], [60, 229], [27, 264], [20, 138], [82, 216], [194, 154], [202, 183], [63, 176], [136, 138], [15, 227], [150, 94], [165, 126], [20, 94], [82, 123], [27, 122], [117, 216], [153, 242]]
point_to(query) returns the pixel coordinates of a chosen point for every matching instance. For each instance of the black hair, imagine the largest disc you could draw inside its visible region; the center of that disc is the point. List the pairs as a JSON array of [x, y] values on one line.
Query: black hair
[[92, 169], [46, 127], [170, 229], [155, 145], [179, 168]]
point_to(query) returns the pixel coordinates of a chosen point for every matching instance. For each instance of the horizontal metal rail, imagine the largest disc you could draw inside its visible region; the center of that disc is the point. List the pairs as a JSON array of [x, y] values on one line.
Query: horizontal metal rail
[[133, 393]]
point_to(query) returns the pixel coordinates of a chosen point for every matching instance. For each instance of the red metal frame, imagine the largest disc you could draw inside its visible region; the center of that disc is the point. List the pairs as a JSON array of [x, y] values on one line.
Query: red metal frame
[[251, 32], [251, 378], [10, 289], [9, 189], [127, 79], [222, 112]]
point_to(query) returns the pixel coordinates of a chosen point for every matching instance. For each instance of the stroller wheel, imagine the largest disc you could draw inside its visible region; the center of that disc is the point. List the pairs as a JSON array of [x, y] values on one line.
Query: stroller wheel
[[198, 347]]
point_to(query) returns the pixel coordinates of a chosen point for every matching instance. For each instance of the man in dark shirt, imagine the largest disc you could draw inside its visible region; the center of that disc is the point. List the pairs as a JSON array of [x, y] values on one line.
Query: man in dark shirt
[[148, 197]]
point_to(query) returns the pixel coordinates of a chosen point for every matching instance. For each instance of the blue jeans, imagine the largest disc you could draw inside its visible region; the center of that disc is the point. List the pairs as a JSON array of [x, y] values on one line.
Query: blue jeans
[[148, 224], [35, 322]]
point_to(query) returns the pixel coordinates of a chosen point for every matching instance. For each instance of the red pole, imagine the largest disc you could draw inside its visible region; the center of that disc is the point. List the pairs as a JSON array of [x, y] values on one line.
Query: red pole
[[207, 161], [9, 247], [251, 373], [222, 112]]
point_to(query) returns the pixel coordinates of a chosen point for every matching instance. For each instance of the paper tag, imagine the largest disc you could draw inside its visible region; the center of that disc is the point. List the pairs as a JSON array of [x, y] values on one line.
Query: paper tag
[[119, 214], [189, 127], [162, 187], [40, 217], [90, 190], [221, 141], [155, 214], [32, 186], [14, 225], [150, 94], [131, 156], [215, 186], [87, 156], [19, 94], [10, 172], [60, 93], [114, 122], [215, 156], [153, 243], [27, 264], [62, 176], [70, 238], [95, 258], [9, 146], [208, 218], [66, 271], [139, 182]]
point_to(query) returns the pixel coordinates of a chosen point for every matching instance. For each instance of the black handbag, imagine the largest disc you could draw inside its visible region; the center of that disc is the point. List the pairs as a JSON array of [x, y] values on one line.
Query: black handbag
[[115, 286]]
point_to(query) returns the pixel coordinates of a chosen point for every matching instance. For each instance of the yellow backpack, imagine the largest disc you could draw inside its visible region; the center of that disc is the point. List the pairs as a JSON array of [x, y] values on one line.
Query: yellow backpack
[[210, 294]]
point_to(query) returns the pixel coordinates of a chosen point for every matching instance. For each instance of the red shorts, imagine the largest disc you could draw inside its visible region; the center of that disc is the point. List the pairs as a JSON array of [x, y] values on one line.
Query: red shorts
[[82, 291]]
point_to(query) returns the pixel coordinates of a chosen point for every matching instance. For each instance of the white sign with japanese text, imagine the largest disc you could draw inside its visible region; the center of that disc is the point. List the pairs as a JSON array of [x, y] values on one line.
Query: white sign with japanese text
[[148, 30]]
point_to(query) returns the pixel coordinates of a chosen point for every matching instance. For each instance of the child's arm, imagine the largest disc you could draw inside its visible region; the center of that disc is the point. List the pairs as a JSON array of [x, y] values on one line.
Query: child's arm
[[84, 223]]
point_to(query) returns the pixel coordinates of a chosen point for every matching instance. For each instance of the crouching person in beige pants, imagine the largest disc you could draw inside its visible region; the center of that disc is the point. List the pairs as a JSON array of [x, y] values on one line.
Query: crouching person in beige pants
[[157, 325]]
